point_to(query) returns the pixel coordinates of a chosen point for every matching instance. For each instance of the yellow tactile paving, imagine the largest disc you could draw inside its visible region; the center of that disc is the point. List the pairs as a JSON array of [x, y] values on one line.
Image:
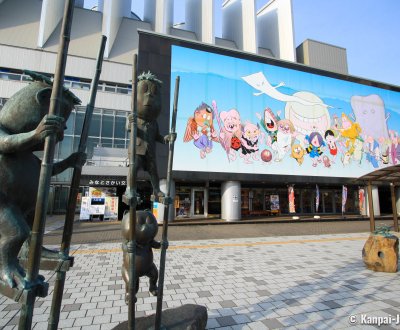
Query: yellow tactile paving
[[213, 246]]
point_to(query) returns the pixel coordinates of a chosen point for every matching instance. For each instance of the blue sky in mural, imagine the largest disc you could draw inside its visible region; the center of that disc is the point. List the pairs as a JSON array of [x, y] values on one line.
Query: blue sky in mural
[[208, 77]]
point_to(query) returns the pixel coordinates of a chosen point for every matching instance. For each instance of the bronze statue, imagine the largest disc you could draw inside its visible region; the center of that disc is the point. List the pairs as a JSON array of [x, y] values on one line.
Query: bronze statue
[[146, 231], [24, 125], [148, 109]]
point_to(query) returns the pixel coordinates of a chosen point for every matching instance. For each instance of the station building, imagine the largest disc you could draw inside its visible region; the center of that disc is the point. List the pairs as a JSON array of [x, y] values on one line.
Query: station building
[[29, 35]]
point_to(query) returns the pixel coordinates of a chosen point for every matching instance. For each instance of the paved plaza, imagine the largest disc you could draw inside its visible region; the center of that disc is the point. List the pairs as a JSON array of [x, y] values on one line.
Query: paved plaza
[[290, 282]]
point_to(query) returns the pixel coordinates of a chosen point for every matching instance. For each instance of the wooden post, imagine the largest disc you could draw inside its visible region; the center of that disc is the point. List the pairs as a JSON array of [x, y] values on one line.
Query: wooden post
[[394, 208], [371, 208], [167, 202], [35, 247], [131, 245], [73, 194]]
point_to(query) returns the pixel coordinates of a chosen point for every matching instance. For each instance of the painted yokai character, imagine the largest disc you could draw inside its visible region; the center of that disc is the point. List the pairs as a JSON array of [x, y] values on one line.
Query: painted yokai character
[[346, 158], [373, 152], [308, 118], [305, 110], [298, 153], [231, 132], [200, 128], [394, 146], [326, 161], [358, 150], [314, 149], [370, 113], [283, 139], [351, 131], [270, 124], [249, 142], [331, 142]]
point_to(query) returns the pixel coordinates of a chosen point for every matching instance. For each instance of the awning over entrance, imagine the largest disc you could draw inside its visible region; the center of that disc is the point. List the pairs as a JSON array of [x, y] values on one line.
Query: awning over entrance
[[389, 175]]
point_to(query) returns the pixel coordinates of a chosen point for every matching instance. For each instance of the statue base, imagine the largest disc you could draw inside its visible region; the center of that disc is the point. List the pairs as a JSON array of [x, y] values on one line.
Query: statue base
[[193, 317]]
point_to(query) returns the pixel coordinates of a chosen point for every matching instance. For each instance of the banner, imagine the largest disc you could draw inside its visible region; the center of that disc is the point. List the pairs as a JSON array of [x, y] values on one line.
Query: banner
[[361, 199], [316, 198], [292, 207], [344, 198], [274, 202]]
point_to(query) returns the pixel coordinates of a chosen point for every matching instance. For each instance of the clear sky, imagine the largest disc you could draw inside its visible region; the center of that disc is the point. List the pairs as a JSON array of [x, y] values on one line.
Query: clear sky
[[368, 29]]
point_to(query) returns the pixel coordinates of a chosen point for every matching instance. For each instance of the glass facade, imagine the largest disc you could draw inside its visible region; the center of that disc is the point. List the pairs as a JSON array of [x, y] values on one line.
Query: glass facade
[[272, 201], [107, 129]]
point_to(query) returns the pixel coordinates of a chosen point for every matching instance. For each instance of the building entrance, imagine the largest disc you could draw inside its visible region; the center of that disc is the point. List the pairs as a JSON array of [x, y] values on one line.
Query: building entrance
[[199, 202]]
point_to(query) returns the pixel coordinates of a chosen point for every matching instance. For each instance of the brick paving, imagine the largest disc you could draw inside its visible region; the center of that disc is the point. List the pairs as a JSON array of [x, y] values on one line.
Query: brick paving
[[289, 282]]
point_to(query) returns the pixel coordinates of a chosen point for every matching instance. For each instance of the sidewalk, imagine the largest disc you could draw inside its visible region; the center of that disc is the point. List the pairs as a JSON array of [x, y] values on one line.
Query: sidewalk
[[296, 282]]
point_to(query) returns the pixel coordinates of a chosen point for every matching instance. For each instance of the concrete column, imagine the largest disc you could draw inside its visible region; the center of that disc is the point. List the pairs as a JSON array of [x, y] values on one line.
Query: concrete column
[[231, 200], [394, 208], [113, 12], [397, 190], [371, 208], [51, 15], [239, 23], [160, 206], [160, 13], [275, 29], [375, 201], [199, 18]]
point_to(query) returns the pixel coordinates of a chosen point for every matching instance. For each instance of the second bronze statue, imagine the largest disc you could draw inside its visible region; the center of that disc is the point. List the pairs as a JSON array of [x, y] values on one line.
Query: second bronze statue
[[148, 110], [146, 231]]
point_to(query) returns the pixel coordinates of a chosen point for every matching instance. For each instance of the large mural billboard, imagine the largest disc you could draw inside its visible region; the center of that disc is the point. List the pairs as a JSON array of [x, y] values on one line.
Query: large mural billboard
[[241, 116]]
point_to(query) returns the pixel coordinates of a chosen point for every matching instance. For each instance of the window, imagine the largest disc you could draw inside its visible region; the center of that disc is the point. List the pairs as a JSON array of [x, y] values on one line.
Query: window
[[107, 126], [120, 131], [94, 129]]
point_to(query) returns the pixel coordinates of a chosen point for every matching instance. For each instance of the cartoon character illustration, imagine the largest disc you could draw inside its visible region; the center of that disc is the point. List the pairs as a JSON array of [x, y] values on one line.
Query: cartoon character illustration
[[370, 113], [298, 153], [249, 142], [358, 150], [230, 133], [260, 83], [305, 110], [314, 149], [346, 158], [336, 125], [283, 139], [331, 142], [394, 146], [270, 124], [326, 161], [200, 128], [308, 118], [385, 156], [372, 152], [351, 131]]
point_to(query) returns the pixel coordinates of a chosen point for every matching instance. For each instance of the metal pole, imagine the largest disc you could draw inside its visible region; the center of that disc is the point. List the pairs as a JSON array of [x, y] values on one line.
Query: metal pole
[[73, 193], [394, 208], [167, 203], [131, 245], [371, 209], [35, 246]]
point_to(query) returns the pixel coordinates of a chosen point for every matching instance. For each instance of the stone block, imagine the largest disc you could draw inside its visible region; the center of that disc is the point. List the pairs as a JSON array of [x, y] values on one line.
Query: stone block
[[381, 253], [186, 317]]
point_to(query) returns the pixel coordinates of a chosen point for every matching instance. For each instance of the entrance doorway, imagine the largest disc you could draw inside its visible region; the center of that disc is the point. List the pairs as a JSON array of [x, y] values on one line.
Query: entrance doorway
[[199, 205]]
